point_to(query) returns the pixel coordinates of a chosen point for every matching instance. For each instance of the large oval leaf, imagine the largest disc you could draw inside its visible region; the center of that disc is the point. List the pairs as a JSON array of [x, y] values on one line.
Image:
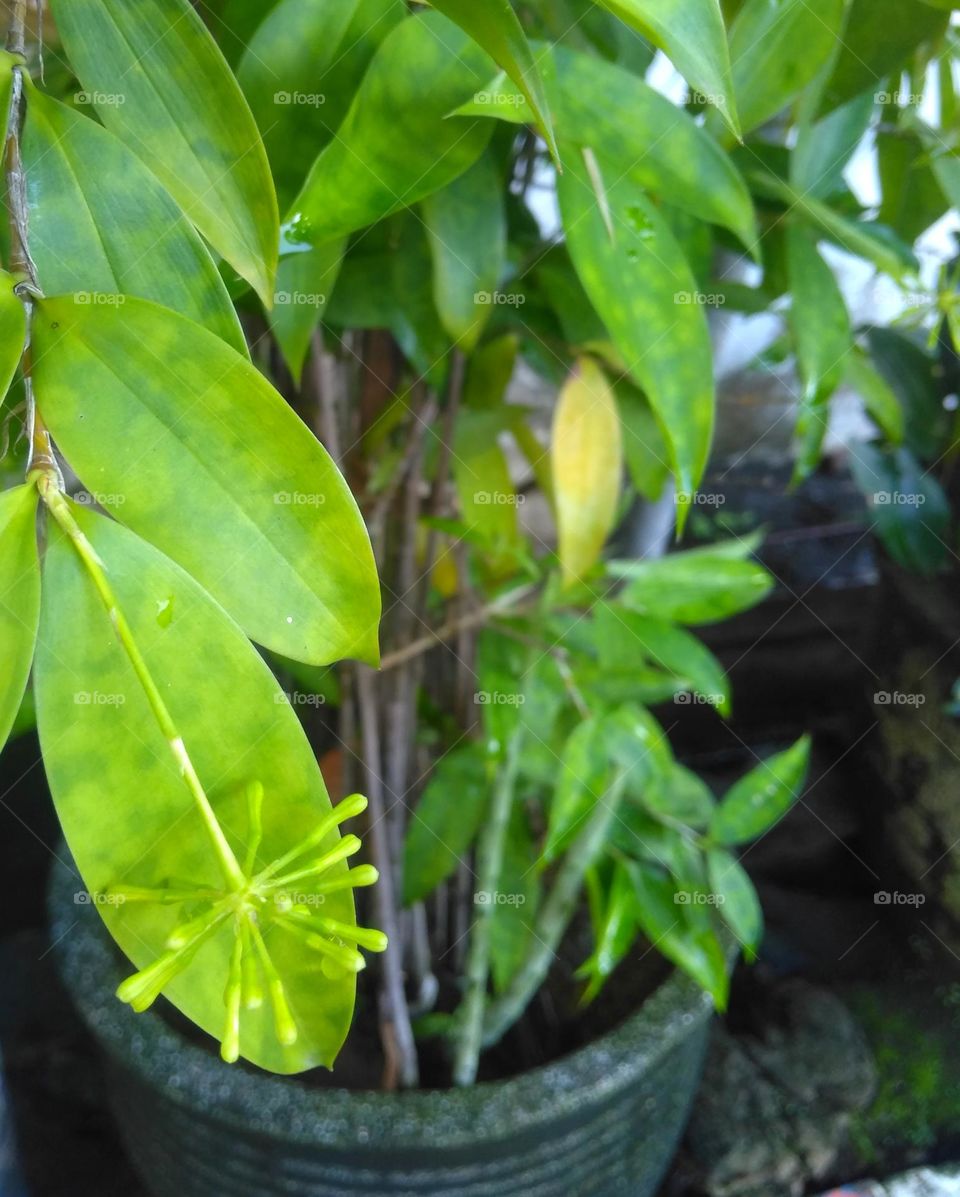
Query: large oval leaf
[[691, 34], [19, 598], [211, 465], [586, 466], [397, 144], [158, 80], [127, 815], [100, 221], [640, 283]]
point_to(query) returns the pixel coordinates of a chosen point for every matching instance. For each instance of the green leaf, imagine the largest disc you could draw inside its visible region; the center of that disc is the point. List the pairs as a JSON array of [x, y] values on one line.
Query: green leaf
[[824, 148], [586, 466], [211, 465], [300, 71], [914, 377], [487, 495], [614, 931], [691, 34], [665, 922], [777, 49], [19, 597], [100, 222], [515, 903], [13, 331], [678, 795], [911, 513], [156, 77], [879, 38], [760, 799], [644, 448], [641, 285], [667, 646], [281, 75], [737, 899], [641, 133], [128, 818], [494, 26], [580, 785], [445, 821], [913, 198], [305, 282], [638, 131], [424, 69], [878, 396], [823, 338], [467, 229], [697, 586]]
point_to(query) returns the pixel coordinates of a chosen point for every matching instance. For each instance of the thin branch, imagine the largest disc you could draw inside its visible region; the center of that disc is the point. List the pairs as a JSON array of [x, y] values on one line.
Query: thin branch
[[508, 604], [396, 1032]]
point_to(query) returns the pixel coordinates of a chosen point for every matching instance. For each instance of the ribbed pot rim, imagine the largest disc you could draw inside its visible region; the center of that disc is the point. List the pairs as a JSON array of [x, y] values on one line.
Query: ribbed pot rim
[[285, 1108]]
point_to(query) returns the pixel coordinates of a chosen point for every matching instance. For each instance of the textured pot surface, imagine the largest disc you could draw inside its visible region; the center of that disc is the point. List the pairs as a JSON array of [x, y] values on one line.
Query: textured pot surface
[[601, 1122]]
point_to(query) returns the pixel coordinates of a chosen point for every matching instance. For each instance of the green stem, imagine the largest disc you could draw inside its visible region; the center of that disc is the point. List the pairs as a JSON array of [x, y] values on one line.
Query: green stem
[[57, 505], [555, 916], [469, 1019]]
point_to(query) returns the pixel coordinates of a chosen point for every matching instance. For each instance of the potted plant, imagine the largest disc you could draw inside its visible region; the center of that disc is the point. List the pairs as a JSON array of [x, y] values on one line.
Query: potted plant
[[529, 828]]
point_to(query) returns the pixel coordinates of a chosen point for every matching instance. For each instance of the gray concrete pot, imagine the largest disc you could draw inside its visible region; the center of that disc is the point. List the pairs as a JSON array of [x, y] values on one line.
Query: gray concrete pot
[[603, 1121]]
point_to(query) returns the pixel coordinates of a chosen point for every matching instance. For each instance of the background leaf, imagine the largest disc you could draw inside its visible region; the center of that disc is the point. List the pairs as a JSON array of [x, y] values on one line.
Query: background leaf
[[777, 49], [160, 83], [216, 470], [103, 752], [494, 26], [445, 820], [19, 597], [691, 34], [374, 166]]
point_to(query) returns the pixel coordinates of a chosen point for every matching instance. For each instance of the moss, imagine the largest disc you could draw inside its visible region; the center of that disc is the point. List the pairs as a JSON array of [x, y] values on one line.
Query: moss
[[917, 1106]]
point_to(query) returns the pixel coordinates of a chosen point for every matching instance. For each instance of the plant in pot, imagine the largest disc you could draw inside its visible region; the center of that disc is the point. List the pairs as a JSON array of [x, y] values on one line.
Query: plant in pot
[[529, 828]]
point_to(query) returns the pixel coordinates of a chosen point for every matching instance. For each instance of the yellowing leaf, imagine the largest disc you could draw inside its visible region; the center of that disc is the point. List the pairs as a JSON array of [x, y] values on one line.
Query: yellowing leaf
[[587, 455]]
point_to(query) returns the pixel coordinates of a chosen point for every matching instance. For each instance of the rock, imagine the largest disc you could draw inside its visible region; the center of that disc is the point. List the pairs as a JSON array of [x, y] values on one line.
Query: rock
[[776, 1099]]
